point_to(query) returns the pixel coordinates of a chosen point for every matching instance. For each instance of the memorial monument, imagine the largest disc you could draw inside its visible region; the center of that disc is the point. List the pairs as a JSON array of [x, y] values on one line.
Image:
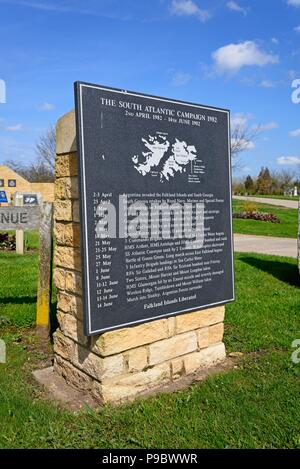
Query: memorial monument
[[144, 256]]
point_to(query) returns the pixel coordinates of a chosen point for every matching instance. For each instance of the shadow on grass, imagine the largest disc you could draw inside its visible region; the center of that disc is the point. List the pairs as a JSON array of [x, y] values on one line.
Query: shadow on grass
[[18, 300], [283, 271]]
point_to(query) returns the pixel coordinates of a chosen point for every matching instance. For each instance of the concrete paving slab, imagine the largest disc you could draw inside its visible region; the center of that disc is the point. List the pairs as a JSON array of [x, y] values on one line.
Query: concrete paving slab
[[61, 392], [270, 201], [266, 245]]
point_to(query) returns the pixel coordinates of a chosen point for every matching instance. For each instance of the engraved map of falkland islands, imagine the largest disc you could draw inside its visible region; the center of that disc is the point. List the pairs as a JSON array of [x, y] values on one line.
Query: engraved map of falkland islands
[[165, 159]]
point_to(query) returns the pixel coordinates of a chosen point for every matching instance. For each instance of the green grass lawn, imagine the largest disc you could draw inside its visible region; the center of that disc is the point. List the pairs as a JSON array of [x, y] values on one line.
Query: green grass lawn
[[255, 405], [18, 288], [31, 239], [288, 228]]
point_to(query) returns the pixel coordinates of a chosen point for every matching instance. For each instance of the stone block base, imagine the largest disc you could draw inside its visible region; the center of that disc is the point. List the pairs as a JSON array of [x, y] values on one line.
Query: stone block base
[[118, 365], [121, 365], [75, 399]]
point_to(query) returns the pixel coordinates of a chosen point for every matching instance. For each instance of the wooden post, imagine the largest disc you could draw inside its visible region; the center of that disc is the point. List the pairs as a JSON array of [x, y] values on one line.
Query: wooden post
[[45, 271], [299, 235], [19, 233]]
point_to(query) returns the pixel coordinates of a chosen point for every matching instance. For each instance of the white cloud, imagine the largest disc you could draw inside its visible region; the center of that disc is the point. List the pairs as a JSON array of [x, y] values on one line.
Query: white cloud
[[189, 8], [297, 29], [239, 119], [246, 169], [274, 40], [46, 107], [268, 126], [267, 84], [240, 123], [242, 120], [14, 128], [295, 133], [289, 160], [294, 3], [233, 57], [181, 79], [234, 6]]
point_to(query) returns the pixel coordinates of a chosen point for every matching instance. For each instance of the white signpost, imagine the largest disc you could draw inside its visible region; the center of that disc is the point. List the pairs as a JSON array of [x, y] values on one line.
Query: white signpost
[[19, 233]]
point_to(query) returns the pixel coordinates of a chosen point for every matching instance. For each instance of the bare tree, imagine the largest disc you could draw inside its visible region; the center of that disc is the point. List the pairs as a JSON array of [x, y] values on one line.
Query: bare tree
[[42, 168], [16, 166], [36, 171], [283, 179], [287, 178], [46, 149], [242, 138]]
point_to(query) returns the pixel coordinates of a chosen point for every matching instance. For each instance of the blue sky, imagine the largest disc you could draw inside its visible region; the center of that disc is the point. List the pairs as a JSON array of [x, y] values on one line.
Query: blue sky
[[242, 55]]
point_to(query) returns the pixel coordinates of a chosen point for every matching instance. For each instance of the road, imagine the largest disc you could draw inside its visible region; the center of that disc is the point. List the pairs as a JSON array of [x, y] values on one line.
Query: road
[[263, 200], [266, 245]]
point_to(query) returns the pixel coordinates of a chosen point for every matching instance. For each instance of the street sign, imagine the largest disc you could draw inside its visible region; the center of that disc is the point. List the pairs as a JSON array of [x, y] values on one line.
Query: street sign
[[3, 197], [30, 199], [19, 218]]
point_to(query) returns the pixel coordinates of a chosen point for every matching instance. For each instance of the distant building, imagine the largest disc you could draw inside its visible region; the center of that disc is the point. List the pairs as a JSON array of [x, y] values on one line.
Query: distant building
[[12, 182], [291, 191]]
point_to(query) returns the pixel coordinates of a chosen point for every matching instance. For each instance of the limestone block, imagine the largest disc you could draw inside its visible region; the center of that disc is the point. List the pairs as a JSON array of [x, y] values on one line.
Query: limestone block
[[67, 234], [66, 210], [67, 257], [71, 327], [205, 358], [63, 346], [198, 319], [132, 385], [112, 366], [172, 326], [60, 278], [137, 359], [173, 347], [203, 337], [69, 303], [73, 282], [216, 333], [63, 210], [177, 368], [97, 367], [66, 165], [72, 375], [107, 393], [147, 378], [66, 134], [114, 342], [66, 188]]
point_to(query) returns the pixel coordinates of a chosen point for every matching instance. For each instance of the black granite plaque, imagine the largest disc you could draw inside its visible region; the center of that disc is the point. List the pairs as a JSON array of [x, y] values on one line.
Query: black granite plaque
[[155, 196]]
